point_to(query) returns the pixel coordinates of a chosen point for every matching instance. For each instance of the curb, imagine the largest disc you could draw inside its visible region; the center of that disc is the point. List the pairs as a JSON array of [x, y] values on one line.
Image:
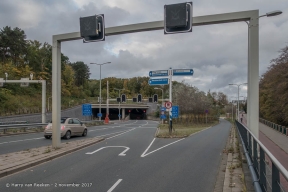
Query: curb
[[44, 158]]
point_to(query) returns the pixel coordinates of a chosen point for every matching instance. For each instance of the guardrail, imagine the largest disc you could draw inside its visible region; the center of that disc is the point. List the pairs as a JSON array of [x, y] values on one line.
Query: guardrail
[[276, 127], [30, 125], [265, 177]]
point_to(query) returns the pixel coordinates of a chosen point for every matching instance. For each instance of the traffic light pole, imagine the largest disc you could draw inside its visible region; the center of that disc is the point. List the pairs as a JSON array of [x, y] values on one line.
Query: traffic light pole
[[170, 99]]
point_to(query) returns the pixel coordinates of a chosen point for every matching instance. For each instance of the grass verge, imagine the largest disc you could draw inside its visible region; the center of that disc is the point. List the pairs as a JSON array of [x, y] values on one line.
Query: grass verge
[[181, 130]]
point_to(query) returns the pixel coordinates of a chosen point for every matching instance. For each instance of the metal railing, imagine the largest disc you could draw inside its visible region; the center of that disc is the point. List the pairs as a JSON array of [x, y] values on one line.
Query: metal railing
[[266, 177], [26, 126], [281, 129]]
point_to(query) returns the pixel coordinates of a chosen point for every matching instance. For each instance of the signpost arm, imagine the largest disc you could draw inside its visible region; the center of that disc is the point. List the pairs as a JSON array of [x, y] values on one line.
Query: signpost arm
[[170, 99]]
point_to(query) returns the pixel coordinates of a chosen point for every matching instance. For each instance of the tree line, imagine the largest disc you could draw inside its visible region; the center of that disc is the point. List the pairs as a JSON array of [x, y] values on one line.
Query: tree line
[[19, 57], [273, 90]]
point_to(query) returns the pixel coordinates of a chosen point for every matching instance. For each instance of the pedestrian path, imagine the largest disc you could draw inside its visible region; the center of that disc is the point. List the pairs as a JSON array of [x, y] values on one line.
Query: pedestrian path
[[274, 141]]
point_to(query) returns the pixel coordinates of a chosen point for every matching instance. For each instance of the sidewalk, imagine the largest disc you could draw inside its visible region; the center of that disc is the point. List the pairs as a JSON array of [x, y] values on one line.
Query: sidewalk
[[14, 162], [274, 141]]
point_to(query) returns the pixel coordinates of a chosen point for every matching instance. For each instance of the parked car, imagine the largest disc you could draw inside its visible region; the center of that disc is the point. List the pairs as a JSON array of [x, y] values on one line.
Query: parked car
[[69, 127]]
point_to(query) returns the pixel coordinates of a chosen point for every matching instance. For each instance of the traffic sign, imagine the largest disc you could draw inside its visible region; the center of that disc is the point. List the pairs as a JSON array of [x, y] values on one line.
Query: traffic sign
[[119, 115], [163, 109], [163, 117], [168, 104], [180, 72], [163, 81], [86, 109], [99, 114], [158, 73], [175, 111], [24, 84]]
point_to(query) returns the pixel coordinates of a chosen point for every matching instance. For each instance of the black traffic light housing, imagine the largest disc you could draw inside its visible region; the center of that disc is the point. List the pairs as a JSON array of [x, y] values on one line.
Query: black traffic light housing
[[150, 99], [178, 18], [155, 98], [139, 97], [118, 99], [92, 28], [123, 97], [134, 99]]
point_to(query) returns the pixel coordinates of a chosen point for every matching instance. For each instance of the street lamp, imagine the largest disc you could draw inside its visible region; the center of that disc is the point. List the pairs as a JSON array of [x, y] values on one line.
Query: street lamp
[[238, 97], [119, 101], [100, 86], [272, 13], [162, 98]]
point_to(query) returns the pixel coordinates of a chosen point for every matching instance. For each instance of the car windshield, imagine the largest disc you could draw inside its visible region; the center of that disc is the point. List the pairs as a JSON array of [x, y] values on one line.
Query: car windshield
[[62, 120]]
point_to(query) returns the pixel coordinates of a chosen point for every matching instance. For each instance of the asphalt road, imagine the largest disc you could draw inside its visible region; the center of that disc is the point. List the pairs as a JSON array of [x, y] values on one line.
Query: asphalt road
[[9, 144], [131, 161]]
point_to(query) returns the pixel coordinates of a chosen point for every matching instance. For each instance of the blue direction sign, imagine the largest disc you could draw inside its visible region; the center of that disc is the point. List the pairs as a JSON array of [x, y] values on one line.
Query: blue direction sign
[[175, 111], [163, 117], [163, 109], [179, 72], [158, 73], [163, 81], [86, 109]]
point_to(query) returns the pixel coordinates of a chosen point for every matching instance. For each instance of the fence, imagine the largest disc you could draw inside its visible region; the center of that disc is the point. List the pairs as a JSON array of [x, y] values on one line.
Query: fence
[[266, 177], [281, 129]]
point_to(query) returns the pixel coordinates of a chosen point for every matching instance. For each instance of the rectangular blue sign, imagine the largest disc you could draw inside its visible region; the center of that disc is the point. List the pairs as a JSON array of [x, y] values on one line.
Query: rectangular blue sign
[[163, 81], [175, 111], [158, 73], [86, 109], [180, 72]]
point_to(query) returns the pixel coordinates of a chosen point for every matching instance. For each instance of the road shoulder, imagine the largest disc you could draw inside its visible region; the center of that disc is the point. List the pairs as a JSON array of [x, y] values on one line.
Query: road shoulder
[[14, 162]]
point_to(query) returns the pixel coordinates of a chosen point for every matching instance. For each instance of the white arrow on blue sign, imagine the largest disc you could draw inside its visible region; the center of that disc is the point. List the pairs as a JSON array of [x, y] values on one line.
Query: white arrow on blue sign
[[158, 73], [180, 72], [163, 81]]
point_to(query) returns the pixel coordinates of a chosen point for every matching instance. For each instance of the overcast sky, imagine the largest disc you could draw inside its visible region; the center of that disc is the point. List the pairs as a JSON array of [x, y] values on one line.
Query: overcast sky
[[217, 53]]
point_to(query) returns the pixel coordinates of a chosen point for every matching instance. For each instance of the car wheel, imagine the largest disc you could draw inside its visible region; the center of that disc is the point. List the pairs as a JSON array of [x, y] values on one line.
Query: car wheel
[[47, 136], [67, 135], [84, 133]]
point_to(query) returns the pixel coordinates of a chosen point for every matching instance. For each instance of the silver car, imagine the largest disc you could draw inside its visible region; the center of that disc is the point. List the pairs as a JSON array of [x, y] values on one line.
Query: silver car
[[69, 127]]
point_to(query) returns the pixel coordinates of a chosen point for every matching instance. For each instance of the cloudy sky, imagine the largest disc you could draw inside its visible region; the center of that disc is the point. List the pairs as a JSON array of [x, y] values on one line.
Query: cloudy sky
[[217, 53]]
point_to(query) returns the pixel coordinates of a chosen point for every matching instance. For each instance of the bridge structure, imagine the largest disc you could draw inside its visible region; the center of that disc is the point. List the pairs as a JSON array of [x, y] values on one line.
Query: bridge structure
[[135, 111]]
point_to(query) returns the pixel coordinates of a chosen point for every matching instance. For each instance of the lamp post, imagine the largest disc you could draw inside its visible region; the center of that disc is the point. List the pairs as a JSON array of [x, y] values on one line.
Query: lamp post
[[162, 99], [100, 86], [238, 97], [119, 101], [48, 102], [250, 106]]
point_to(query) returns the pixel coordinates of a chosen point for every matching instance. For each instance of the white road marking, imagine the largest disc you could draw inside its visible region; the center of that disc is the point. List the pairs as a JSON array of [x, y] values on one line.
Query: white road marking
[[120, 154], [110, 133], [120, 134], [115, 185], [21, 140], [143, 154]]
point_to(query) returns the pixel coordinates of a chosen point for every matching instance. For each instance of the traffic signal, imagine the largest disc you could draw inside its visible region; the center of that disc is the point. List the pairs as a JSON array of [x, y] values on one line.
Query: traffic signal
[[123, 96], [155, 98], [134, 99], [118, 99], [92, 28], [178, 18], [150, 100], [139, 98], [129, 111]]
